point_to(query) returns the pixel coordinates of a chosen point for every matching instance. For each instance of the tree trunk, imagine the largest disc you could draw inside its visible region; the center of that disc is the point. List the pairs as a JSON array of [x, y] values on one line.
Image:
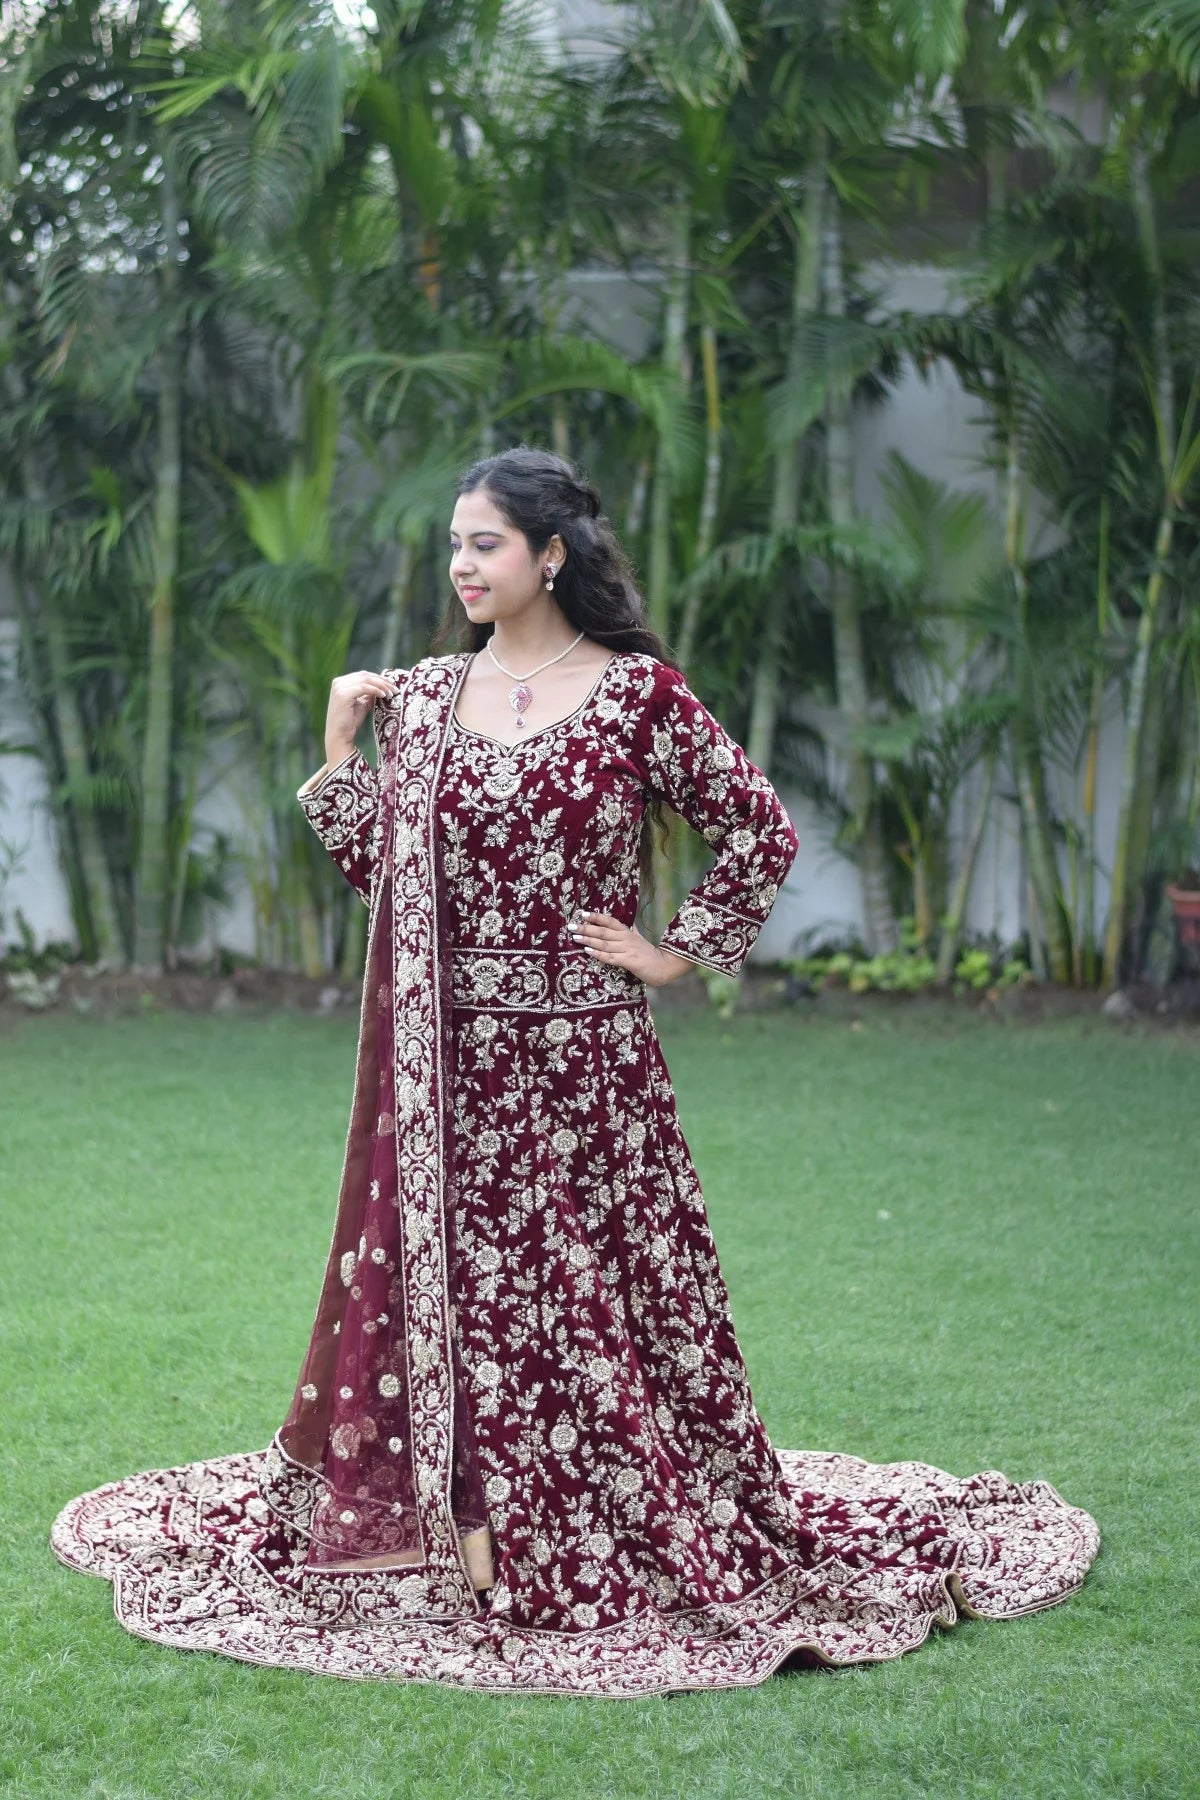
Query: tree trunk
[[674, 348], [685, 849], [1043, 864], [635, 509], [560, 432], [89, 876], [153, 873], [785, 492], [305, 915], [182, 818], [1086, 947], [662, 498], [956, 911], [711, 497], [395, 631], [1139, 682], [1133, 802], [1187, 802], [879, 923], [1024, 739]]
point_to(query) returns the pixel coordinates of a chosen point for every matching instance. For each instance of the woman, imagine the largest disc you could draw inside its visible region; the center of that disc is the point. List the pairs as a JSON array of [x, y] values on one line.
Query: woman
[[523, 1453]]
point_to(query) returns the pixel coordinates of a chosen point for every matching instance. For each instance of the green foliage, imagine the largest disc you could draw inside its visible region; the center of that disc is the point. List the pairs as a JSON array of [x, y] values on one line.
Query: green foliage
[[910, 969], [396, 243], [42, 962]]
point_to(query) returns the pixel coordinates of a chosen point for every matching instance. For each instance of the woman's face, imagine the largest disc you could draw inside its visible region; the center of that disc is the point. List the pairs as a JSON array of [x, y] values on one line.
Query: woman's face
[[492, 566]]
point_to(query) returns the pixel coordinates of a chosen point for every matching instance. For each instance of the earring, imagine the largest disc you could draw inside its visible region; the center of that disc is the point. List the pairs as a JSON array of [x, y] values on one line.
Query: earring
[[551, 572]]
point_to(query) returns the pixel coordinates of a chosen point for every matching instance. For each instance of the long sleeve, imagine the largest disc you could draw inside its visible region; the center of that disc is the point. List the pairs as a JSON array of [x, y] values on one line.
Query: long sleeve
[[342, 806], [688, 759]]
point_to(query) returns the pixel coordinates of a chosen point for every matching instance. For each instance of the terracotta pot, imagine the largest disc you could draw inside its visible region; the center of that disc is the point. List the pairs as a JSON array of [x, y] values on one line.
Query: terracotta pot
[[1186, 903]]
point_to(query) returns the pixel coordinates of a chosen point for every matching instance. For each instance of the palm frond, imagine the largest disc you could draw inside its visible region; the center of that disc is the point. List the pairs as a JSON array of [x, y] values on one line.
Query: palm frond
[[1179, 23], [757, 556], [386, 379], [269, 595], [933, 31], [694, 48], [542, 366]]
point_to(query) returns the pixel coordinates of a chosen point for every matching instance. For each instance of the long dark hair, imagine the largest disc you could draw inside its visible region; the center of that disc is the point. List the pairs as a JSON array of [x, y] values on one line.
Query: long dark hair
[[539, 494]]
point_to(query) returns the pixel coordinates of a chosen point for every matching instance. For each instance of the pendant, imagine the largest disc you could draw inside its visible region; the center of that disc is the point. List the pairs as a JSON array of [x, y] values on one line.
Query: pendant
[[519, 698]]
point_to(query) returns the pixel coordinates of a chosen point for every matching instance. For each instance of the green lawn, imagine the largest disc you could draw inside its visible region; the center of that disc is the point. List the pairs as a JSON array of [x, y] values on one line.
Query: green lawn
[[961, 1241]]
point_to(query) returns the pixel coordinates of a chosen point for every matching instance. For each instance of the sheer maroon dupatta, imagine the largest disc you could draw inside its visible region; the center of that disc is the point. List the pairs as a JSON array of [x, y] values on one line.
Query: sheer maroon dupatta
[[375, 1463]]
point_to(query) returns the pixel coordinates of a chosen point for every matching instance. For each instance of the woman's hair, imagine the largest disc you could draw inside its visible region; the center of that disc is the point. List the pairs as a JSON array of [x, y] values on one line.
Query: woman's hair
[[539, 494]]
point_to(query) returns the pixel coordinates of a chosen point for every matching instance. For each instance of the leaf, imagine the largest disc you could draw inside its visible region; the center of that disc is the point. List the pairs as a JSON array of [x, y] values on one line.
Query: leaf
[[1179, 23], [757, 556], [933, 31]]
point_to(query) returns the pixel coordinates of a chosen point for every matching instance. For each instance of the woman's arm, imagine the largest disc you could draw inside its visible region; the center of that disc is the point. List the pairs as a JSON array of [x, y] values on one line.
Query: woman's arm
[[341, 801], [688, 759]]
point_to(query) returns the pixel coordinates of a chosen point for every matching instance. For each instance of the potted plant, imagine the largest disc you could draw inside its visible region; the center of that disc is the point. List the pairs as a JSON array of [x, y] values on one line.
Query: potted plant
[[1184, 896]]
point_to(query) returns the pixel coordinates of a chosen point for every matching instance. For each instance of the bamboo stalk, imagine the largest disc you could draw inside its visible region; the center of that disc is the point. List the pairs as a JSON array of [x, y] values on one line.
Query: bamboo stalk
[[658, 577], [560, 431], [785, 493], [89, 876], [153, 874], [956, 912], [849, 659], [399, 597], [1023, 734], [1085, 947], [710, 500], [1114, 938], [662, 493], [1131, 804]]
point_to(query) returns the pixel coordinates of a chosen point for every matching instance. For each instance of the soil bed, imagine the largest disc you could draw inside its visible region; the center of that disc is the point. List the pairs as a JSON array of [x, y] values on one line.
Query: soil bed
[[77, 987]]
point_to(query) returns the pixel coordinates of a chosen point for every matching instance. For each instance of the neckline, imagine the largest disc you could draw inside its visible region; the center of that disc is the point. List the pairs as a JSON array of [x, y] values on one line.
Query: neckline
[[518, 743]]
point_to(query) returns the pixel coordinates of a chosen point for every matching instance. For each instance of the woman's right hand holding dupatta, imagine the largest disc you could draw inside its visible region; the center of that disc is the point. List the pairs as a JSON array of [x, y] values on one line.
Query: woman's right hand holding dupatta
[[351, 698]]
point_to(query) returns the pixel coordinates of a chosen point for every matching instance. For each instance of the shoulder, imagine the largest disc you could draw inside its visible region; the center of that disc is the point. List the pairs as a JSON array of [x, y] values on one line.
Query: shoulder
[[429, 672], [650, 677], [635, 685], [667, 693], [452, 659]]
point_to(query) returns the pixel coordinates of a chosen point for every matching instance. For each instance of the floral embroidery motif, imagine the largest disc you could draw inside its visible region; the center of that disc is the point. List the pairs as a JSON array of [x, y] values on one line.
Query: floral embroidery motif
[[524, 1325]]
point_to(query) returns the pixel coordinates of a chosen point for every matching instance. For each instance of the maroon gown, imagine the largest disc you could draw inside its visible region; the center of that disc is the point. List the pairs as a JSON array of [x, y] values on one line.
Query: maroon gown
[[523, 1329]]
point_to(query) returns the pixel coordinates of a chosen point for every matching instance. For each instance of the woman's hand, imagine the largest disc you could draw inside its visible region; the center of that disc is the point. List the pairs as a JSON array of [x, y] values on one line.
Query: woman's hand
[[624, 946], [351, 698]]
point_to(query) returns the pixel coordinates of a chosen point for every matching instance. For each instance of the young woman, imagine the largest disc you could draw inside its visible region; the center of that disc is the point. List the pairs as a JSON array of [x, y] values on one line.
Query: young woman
[[522, 1454]]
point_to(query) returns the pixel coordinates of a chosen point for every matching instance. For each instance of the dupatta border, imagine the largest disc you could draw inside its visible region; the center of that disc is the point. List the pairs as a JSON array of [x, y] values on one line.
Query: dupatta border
[[407, 924]]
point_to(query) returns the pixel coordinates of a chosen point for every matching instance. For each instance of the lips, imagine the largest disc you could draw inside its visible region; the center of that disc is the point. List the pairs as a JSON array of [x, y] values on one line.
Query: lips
[[470, 594]]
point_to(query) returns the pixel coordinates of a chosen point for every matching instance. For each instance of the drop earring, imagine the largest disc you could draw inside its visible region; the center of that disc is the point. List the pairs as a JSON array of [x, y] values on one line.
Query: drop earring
[[551, 572]]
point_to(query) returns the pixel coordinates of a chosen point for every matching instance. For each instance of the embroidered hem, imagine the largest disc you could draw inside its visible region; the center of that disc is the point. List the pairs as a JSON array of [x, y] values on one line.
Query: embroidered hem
[[179, 1548]]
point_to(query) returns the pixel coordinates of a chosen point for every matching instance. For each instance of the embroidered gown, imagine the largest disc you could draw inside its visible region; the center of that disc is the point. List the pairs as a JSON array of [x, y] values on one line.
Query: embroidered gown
[[523, 1368]]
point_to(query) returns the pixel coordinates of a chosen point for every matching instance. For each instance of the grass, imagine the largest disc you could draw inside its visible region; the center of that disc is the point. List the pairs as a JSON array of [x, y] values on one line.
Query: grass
[[969, 1243]]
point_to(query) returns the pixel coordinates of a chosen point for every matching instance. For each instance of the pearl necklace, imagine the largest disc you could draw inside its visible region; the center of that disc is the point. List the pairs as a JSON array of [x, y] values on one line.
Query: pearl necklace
[[520, 696]]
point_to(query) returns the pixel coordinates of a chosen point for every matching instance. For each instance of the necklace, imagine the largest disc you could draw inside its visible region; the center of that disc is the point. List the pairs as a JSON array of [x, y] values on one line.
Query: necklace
[[520, 696]]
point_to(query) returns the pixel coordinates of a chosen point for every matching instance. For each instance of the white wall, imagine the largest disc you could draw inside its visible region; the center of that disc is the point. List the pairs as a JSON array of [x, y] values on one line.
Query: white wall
[[27, 831]]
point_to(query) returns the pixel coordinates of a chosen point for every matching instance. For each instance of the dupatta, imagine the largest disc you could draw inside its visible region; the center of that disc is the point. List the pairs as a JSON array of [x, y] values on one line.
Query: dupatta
[[375, 1462]]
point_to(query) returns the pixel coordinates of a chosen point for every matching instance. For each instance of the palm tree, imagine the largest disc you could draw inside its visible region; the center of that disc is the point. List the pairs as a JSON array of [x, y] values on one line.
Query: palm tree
[[65, 138]]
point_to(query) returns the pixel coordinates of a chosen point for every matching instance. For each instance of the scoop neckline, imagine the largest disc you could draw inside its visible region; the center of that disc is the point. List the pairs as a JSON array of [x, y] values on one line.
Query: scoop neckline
[[519, 743]]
